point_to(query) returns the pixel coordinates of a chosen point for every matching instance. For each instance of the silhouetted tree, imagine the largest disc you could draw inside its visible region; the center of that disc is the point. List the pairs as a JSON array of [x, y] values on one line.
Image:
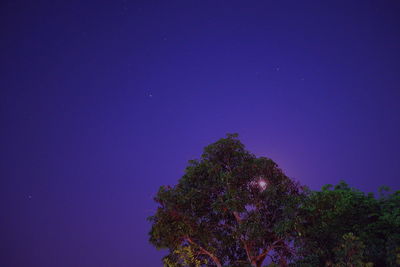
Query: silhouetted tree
[[229, 208], [341, 225]]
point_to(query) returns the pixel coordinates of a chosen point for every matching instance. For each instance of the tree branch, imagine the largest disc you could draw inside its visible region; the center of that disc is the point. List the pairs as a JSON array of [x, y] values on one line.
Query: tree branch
[[237, 217], [247, 248], [260, 258], [204, 251]]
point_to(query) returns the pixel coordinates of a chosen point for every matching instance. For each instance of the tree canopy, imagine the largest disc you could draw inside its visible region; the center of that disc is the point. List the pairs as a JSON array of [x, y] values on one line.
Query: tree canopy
[[231, 208], [338, 217]]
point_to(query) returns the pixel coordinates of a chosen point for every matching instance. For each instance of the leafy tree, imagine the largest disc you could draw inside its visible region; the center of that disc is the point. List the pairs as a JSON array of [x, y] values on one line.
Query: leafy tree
[[388, 226], [334, 213], [183, 256], [230, 208], [350, 252]]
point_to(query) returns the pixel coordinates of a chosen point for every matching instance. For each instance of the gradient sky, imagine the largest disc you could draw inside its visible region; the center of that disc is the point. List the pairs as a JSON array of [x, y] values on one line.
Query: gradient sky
[[102, 102]]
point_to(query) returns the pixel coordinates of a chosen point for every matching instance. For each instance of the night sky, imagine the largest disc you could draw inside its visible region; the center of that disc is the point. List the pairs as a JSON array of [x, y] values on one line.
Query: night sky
[[103, 102]]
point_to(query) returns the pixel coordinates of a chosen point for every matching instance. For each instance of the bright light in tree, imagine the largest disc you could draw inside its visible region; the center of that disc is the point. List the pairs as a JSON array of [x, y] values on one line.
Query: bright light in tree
[[262, 184], [259, 183]]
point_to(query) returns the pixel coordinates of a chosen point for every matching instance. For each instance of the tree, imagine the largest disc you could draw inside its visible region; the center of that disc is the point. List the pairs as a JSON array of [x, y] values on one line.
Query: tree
[[339, 222], [229, 208], [350, 253], [388, 227], [184, 256]]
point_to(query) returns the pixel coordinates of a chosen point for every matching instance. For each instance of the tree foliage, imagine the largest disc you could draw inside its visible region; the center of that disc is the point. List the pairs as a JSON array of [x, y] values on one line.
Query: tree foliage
[[342, 214], [184, 256], [230, 207], [350, 252]]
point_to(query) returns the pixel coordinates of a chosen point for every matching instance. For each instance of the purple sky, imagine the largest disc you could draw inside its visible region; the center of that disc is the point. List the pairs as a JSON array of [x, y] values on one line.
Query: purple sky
[[103, 102]]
